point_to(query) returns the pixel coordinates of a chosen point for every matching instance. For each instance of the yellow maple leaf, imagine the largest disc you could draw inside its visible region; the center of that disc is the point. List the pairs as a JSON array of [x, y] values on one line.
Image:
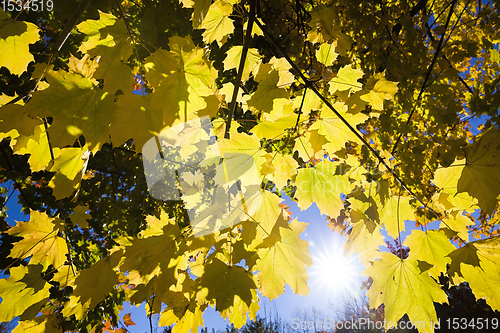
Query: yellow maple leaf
[[381, 91], [289, 256], [217, 23], [321, 185], [404, 289], [396, 210], [481, 174], [40, 240], [24, 291], [38, 147], [109, 39], [326, 54], [478, 264], [432, 247], [85, 294], [15, 38], [334, 129], [252, 61], [346, 79]]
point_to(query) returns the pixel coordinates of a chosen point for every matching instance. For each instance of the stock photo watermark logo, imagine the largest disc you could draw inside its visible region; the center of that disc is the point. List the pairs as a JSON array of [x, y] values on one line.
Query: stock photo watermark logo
[[362, 324], [184, 162]]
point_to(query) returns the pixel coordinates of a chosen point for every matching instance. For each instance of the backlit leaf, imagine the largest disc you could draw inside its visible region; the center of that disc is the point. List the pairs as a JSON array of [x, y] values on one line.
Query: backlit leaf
[[24, 288], [346, 79], [85, 294], [319, 184], [481, 174], [404, 289], [40, 240], [217, 23], [15, 38], [287, 257]]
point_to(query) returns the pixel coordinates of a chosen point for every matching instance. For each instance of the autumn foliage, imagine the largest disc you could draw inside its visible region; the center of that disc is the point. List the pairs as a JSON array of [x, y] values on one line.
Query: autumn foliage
[[375, 112]]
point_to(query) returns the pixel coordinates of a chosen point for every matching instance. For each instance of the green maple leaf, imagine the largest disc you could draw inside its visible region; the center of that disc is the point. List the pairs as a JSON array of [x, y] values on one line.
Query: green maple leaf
[[23, 292], [321, 185], [92, 285], [80, 216], [404, 289], [40, 240], [432, 247], [288, 257], [15, 38], [78, 108], [334, 130], [481, 173], [217, 23]]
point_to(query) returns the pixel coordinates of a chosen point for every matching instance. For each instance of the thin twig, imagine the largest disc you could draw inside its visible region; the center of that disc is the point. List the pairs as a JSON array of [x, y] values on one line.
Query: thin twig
[[70, 258], [427, 75], [311, 86], [246, 44], [300, 109], [68, 27], [48, 138]]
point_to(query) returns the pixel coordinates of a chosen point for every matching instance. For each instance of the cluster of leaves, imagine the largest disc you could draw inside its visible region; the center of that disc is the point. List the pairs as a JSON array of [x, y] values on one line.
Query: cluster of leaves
[[358, 107]]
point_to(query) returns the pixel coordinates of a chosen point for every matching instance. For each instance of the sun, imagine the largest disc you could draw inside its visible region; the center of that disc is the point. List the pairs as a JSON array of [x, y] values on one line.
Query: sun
[[334, 272]]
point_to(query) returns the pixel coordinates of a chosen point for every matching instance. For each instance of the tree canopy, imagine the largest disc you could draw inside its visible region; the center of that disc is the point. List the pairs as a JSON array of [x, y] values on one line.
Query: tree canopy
[[379, 112]]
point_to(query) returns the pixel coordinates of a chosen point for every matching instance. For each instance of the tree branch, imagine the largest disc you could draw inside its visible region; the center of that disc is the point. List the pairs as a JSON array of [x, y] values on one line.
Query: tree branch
[[311, 86], [428, 74], [68, 27], [246, 44]]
